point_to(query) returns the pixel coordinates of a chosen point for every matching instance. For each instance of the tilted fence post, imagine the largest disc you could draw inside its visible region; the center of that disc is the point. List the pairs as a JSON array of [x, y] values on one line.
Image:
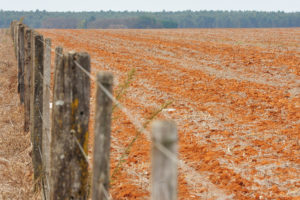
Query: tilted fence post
[[69, 145], [46, 115], [164, 163], [102, 137], [37, 106], [27, 77], [21, 62]]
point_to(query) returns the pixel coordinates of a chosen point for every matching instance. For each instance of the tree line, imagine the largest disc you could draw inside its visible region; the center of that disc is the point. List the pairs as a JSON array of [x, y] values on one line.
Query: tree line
[[142, 20]]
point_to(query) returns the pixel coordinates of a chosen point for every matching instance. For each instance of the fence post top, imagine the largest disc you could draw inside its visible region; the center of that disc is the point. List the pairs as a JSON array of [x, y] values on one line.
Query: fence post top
[[105, 77], [164, 131]]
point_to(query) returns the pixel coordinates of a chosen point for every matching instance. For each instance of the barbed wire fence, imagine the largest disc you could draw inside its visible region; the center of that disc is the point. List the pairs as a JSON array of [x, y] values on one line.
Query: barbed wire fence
[[169, 153], [59, 134]]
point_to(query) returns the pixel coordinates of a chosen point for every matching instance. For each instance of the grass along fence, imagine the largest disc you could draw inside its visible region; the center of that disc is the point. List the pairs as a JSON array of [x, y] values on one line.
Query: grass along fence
[[59, 135]]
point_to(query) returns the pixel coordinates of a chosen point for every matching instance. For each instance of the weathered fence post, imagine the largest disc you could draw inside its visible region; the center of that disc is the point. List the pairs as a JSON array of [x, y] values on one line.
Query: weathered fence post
[[102, 137], [31, 83], [69, 145], [164, 165], [12, 29], [80, 117], [18, 52], [37, 106], [16, 39], [27, 77], [60, 126], [21, 62], [46, 116]]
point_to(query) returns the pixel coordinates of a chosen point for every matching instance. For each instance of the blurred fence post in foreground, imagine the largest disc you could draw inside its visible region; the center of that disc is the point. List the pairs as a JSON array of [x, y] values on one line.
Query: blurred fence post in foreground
[[164, 161], [102, 137]]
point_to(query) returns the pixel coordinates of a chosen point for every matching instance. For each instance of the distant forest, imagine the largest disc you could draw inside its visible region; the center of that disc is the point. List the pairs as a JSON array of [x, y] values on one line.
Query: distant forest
[[142, 20]]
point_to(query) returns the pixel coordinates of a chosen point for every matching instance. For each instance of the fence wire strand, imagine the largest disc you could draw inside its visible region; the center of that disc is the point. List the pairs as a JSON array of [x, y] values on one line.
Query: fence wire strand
[[44, 175], [79, 146]]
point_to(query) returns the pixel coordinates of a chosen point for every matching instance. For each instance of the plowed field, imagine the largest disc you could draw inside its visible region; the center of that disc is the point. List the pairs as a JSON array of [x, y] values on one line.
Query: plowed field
[[235, 97]]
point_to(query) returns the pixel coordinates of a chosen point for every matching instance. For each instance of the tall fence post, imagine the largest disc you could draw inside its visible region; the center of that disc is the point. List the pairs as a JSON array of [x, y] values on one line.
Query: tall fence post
[[21, 62], [59, 127], [46, 115], [102, 137], [69, 145], [80, 117], [27, 77], [164, 165], [37, 107], [31, 83]]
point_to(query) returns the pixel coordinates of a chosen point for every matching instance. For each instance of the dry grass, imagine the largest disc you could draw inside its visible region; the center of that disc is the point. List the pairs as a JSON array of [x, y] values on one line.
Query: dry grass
[[15, 147]]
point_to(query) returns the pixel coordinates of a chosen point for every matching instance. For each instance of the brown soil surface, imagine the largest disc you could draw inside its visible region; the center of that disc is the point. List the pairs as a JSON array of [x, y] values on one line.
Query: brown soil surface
[[15, 161], [236, 101]]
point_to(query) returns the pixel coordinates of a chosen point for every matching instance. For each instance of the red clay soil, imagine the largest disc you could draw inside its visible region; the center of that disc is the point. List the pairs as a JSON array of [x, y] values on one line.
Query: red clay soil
[[236, 101]]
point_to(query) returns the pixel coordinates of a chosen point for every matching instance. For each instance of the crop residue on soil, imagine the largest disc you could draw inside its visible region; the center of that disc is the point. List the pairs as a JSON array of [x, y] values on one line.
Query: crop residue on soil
[[235, 94]]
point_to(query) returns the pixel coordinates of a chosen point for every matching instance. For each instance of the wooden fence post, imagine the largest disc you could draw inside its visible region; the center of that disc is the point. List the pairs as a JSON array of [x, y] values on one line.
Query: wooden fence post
[[46, 116], [18, 53], [69, 145], [27, 77], [37, 106], [164, 167], [16, 39], [31, 83], [21, 62], [59, 127], [80, 117], [12, 29], [102, 137]]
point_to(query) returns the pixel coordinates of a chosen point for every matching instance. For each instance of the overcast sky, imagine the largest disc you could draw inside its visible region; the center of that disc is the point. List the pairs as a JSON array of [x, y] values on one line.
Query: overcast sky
[[150, 5]]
